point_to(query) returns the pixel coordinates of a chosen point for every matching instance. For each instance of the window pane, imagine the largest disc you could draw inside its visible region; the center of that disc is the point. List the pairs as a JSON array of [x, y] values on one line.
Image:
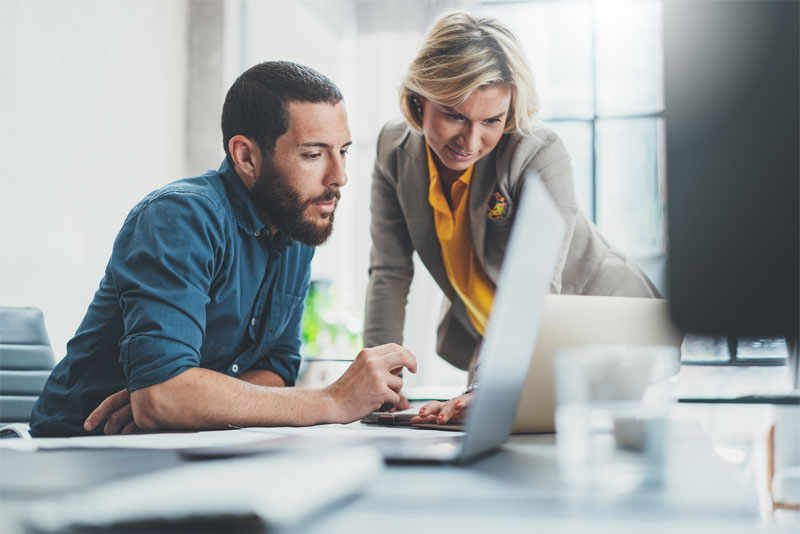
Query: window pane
[[577, 136], [630, 201], [557, 38], [629, 79]]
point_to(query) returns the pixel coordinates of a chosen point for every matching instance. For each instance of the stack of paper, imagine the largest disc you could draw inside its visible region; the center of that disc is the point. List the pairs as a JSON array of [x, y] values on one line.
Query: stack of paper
[[278, 490]]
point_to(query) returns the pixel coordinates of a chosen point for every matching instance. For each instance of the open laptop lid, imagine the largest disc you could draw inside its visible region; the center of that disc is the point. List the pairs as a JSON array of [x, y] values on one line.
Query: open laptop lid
[[510, 338], [580, 320]]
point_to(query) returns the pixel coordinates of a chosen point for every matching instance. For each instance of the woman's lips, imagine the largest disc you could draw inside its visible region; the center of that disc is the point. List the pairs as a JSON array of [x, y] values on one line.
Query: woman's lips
[[459, 156]]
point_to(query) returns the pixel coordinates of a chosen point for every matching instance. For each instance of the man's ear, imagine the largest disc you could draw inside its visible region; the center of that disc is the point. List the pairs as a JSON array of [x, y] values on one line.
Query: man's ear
[[246, 158]]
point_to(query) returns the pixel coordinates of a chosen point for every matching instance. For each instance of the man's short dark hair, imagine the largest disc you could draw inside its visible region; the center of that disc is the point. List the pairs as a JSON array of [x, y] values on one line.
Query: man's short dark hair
[[255, 105]]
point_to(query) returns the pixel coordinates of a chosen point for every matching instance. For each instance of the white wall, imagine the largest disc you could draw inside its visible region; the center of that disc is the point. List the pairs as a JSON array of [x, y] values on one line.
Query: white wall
[[320, 34], [91, 119], [93, 116]]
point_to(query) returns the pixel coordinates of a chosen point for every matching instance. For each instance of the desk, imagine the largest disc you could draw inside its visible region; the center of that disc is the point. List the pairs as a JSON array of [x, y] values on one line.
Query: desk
[[516, 489]]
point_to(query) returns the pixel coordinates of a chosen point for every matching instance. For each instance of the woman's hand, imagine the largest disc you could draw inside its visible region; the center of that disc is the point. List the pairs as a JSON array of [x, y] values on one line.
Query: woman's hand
[[453, 411]]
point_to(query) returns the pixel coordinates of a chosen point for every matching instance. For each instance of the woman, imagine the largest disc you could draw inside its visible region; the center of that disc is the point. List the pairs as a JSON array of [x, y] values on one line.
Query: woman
[[446, 184]]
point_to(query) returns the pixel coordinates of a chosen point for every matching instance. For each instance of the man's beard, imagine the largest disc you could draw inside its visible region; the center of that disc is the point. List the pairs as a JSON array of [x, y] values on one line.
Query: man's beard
[[287, 209]]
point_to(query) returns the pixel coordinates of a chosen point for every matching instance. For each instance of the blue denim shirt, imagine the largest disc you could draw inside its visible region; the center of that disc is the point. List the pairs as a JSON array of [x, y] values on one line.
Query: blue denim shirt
[[195, 279]]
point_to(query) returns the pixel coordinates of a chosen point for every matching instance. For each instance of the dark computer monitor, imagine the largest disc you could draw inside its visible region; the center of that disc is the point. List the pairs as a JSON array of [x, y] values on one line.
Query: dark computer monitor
[[732, 116]]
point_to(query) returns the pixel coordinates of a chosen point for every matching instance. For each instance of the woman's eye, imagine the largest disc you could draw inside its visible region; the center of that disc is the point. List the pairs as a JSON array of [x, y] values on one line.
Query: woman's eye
[[494, 120], [454, 117], [344, 152]]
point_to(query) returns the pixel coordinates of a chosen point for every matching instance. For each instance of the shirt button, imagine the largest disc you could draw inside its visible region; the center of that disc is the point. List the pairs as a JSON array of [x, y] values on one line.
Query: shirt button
[[257, 233], [235, 368], [253, 321]]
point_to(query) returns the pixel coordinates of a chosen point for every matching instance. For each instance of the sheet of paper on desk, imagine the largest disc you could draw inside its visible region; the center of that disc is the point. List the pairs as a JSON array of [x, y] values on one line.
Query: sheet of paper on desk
[[280, 490], [357, 429], [174, 440]]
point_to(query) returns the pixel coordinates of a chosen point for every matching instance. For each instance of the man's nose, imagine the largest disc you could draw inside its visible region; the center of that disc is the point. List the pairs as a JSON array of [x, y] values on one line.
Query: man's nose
[[336, 175]]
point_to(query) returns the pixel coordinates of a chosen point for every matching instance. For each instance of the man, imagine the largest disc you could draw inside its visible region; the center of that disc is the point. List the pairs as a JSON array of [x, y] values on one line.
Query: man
[[196, 324]]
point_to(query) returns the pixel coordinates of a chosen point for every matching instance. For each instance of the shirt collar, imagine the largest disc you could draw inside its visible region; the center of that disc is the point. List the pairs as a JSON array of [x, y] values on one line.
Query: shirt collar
[[436, 196], [244, 208], [434, 172]]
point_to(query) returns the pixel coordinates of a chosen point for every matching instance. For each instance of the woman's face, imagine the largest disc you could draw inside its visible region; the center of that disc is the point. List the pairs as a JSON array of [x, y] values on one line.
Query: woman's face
[[462, 135]]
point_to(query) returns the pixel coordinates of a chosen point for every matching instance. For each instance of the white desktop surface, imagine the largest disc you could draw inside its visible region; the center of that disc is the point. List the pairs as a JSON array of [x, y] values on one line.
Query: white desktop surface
[[519, 490], [515, 490]]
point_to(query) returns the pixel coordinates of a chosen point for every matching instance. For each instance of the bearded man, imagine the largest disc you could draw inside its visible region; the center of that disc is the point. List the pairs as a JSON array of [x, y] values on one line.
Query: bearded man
[[196, 323]]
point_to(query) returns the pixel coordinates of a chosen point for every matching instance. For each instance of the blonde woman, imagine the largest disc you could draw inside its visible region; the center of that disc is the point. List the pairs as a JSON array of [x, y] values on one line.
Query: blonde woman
[[446, 184]]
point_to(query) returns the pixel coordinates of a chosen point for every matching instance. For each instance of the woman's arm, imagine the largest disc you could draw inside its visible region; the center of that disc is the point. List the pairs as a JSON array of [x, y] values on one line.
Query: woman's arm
[[391, 267]]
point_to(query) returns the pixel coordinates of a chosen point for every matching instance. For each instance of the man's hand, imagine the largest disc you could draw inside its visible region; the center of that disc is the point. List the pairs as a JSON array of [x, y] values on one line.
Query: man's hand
[[452, 411], [117, 410], [403, 404], [371, 381]]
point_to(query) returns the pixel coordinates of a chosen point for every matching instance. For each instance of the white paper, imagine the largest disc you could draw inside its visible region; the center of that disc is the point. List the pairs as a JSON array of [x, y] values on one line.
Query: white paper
[[171, 440], [280, 489], [355, 429]]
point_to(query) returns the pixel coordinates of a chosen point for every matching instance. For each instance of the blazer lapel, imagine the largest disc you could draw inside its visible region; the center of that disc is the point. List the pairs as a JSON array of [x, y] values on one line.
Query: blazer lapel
[[412, 189], [481, 186]]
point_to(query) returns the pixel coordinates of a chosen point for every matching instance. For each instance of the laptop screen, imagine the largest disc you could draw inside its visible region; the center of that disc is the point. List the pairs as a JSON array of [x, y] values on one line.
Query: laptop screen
[[510, 338]]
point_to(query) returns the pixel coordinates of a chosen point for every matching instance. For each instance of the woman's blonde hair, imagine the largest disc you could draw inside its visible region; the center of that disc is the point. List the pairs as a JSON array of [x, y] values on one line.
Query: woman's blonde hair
[[463, 53]]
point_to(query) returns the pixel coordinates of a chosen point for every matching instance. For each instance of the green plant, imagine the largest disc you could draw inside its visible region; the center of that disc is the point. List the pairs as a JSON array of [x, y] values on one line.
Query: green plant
[[327, 328]]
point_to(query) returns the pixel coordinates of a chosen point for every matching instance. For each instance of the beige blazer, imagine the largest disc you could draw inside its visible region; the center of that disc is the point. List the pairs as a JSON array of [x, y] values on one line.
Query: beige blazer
[[402, 222]]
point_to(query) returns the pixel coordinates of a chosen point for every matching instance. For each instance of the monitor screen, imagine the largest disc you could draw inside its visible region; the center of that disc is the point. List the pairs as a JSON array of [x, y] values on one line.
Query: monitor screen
[[732, 116]]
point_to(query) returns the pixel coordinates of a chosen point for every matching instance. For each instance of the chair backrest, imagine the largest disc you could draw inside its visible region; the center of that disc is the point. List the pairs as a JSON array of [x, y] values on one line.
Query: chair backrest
[[26, 360]]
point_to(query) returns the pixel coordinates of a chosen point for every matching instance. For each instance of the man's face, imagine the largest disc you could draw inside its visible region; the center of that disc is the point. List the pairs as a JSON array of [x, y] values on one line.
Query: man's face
[[299, 186]]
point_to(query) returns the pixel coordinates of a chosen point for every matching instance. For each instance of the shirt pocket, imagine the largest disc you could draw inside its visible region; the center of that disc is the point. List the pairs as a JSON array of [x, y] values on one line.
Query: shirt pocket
[[282, 309]]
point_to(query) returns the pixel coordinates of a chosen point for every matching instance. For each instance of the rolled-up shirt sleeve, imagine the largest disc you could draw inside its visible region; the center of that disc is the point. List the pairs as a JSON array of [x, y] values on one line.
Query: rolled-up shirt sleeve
[[162, 265]]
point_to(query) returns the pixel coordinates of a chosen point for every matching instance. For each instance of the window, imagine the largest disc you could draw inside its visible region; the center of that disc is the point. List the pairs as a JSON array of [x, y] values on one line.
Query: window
[[597, 66]]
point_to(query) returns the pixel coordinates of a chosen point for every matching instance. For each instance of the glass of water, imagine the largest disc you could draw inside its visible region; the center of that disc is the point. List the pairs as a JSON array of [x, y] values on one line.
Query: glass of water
[[611, 415]]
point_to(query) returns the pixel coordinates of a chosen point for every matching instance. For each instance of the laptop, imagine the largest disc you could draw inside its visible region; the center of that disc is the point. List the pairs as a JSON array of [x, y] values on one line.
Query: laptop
[[510, 338], [576, 320]]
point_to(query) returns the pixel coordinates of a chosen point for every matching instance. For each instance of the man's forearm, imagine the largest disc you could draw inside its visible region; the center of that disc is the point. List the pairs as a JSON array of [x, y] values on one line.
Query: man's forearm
[[263, 378], [204, 399]]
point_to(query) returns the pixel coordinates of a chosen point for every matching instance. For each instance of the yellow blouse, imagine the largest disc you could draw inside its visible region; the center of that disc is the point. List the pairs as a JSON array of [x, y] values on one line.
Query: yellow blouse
[[463, 268]]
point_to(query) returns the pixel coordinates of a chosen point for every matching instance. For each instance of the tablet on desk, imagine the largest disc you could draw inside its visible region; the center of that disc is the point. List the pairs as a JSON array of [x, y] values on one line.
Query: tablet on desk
[[404, 419]]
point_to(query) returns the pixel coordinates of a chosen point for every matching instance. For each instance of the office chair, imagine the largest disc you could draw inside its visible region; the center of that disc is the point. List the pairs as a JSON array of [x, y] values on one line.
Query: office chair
[[26, 360]]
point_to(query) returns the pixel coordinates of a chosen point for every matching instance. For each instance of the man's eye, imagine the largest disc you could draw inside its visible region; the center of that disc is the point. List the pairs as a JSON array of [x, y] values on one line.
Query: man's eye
[[312, 156], [344, 151]]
